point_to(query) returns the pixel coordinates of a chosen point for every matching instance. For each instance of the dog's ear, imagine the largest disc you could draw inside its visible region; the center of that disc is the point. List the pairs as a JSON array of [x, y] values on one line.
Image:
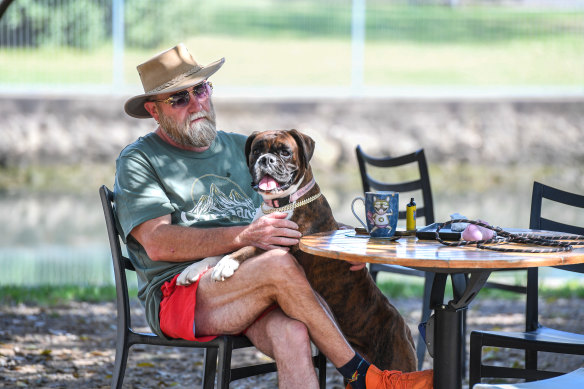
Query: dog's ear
[[248, 143], [305, 144]]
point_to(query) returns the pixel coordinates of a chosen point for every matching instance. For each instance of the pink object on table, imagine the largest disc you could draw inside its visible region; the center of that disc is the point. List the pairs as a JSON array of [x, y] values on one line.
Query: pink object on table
[[472, 232]]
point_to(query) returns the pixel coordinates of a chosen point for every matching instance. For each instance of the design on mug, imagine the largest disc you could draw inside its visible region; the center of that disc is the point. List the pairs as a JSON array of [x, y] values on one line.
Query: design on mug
[[380, 218]]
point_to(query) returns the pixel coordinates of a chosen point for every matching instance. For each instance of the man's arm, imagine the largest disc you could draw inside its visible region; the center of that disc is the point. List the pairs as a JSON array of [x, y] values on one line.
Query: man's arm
[[164, 241]]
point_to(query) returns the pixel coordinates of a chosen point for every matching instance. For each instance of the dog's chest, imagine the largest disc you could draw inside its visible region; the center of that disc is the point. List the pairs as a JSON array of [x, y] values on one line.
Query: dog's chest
[[264, 210]]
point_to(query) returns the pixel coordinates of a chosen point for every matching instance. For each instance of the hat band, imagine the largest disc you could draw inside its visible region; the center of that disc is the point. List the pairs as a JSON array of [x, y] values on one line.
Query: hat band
[[175, 80]]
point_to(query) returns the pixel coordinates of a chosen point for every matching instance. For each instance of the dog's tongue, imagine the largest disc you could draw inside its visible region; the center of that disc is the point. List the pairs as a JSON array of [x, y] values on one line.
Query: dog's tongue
[[268, 183]]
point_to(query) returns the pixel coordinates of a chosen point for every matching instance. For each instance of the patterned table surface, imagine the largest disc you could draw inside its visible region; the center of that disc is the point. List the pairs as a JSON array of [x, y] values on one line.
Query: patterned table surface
[[430, 254]]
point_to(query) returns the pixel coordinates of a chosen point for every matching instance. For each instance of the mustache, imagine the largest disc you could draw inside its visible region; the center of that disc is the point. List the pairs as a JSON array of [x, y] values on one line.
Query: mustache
[[205, 114]]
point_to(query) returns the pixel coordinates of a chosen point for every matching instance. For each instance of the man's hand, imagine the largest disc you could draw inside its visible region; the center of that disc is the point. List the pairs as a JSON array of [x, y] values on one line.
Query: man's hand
[[272, 231], [355, 266], [343, 226]]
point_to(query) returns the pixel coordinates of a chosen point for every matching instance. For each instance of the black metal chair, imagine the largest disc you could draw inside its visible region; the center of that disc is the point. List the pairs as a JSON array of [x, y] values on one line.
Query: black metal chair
[[536, 338], [422, 183], [426, 210], [571, 380], [217, 352]]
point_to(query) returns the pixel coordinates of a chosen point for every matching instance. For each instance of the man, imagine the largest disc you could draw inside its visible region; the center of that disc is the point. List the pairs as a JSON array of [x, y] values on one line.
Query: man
[[182, 194]]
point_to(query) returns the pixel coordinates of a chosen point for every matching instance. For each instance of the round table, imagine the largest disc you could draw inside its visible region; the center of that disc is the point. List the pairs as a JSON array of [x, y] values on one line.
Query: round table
[[468, 267]]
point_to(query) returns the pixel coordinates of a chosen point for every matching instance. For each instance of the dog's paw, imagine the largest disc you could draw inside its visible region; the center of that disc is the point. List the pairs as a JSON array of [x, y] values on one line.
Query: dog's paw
[[194, 271], [188, 275], [225, 268]]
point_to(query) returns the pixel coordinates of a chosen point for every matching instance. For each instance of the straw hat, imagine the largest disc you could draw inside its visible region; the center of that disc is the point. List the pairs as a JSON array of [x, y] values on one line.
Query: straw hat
[[170, 71]]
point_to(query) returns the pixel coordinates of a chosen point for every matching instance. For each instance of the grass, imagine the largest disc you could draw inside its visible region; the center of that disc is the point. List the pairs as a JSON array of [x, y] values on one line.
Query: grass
[[305, 43], [326, 62], [395, 286], [53, 295]]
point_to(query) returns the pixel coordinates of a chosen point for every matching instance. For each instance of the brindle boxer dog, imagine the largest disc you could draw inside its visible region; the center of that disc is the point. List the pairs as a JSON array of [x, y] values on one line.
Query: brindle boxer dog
[[279, 166]]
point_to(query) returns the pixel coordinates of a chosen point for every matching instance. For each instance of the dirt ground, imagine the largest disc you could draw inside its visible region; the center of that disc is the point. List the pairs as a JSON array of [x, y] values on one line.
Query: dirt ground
[[73, 346]]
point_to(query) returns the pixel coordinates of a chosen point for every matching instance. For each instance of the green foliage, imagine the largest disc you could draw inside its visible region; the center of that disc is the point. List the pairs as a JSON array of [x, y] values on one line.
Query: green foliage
[[569, 289], [150, 24], [412, 287], [404, 288], [74, 23], [48, 295], [147, 23], [302, 42]]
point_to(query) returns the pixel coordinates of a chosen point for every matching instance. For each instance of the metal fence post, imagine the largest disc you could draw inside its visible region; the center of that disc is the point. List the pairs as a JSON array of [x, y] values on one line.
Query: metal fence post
[[357, 45], [118, 44]]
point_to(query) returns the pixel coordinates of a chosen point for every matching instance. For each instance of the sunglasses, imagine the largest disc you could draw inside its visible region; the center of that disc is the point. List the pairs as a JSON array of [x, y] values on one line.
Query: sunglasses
[[181, 99]]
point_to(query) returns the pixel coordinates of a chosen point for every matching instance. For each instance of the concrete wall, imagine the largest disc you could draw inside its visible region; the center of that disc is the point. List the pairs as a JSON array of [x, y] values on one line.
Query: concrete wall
[[489, 131]]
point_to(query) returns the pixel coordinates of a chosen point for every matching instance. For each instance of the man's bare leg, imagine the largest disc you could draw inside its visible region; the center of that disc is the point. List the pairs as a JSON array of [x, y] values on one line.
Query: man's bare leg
[[287, 341], [231, 306]]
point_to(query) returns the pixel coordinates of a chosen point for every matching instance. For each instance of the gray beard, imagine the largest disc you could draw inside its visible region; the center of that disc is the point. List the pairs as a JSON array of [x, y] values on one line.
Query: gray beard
[[199, 134]]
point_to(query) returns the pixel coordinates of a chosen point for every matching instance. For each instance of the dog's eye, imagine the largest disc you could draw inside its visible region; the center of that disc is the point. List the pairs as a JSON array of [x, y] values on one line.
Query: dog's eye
[[285, 154], [256, 152]]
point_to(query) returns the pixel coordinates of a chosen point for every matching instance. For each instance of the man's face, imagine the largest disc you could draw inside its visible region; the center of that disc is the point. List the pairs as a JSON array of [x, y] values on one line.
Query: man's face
[[193, 125]]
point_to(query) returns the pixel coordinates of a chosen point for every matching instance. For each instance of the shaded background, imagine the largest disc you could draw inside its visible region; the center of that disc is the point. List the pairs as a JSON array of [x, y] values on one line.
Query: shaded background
[[492, 90]]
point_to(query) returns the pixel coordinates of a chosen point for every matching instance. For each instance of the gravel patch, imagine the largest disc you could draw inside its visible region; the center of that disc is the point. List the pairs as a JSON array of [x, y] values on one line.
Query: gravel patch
[[73, 346]]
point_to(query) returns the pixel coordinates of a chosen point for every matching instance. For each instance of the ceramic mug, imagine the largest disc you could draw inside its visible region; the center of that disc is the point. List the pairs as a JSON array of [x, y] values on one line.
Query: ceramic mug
[[381, 210]]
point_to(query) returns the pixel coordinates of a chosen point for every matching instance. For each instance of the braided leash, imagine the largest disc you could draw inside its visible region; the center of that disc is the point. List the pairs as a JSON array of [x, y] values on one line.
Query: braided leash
[[557, 243]]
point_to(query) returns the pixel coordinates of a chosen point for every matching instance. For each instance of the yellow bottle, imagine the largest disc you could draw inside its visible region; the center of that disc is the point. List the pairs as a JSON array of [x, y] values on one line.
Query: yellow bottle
[[411, 215]]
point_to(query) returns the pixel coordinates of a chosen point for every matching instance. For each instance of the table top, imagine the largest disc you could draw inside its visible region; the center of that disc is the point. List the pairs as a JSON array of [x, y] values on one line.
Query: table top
[[428, 254]]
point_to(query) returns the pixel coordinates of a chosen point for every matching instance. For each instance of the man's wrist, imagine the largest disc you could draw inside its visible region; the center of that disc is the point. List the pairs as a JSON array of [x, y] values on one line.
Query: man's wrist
[[241, 239]]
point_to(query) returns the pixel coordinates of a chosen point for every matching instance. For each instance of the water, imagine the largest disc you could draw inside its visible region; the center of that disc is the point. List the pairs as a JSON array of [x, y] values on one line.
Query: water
[[53, 239], [61, 238]]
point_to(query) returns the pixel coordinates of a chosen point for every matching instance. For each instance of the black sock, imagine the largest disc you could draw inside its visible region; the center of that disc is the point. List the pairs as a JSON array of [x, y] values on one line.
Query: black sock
[[354, 371]]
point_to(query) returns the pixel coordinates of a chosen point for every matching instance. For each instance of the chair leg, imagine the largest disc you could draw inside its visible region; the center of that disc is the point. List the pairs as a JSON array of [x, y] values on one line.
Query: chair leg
[[530, 361], [210, 368], [463, 343], [475, 360], [426, 312], [459, 283], [374, 276], [122, 349], [224, 363], [321, 366]]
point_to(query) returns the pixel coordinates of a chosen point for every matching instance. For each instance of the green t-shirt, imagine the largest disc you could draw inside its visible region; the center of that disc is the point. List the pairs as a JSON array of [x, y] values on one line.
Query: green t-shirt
[[203, 190]]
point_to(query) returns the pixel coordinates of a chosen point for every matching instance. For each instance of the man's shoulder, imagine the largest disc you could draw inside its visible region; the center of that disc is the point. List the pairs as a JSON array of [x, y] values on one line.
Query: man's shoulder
[[139, 145], [233, 136]]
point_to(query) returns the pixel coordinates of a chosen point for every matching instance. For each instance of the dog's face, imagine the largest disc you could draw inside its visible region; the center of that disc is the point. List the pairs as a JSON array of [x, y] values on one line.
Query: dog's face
[[278, 161]]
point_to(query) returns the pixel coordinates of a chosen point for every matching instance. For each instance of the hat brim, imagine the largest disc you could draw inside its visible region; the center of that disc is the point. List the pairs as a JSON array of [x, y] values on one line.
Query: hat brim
[[135, 106]]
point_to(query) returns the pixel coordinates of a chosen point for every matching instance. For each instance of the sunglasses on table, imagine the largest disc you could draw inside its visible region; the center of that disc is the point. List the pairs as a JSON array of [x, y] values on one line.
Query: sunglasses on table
[[181, 99]]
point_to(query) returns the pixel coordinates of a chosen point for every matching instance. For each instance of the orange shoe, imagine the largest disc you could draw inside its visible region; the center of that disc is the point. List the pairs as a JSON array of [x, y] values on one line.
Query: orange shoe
[[377, 379]]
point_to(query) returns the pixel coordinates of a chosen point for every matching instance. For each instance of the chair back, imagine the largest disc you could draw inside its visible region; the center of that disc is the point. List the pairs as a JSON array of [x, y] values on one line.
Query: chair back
[[537, 222], [540, 192], [120, 262], [422, 183]]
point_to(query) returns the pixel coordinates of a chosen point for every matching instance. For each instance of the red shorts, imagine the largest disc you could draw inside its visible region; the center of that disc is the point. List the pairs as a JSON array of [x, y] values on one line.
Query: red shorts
[[177, 310]]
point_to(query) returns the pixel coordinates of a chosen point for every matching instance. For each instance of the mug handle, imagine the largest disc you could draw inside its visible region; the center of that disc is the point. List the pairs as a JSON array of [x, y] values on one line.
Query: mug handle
[[353, 210]]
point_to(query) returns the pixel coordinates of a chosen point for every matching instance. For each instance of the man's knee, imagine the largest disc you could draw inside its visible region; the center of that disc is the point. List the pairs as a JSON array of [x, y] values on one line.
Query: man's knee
[[281, 266], [289, 337], [281, 274]]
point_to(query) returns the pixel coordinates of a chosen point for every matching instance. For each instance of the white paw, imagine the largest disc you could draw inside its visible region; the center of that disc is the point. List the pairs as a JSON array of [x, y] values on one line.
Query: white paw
[[224, 269], [189, 275], [192, 273]]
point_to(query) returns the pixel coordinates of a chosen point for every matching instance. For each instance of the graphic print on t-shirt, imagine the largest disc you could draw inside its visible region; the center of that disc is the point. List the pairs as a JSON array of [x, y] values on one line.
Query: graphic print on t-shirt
[[218, 198]]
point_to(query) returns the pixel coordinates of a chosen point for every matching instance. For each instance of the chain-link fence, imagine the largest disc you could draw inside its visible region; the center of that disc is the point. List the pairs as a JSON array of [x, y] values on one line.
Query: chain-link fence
[[356, 45]]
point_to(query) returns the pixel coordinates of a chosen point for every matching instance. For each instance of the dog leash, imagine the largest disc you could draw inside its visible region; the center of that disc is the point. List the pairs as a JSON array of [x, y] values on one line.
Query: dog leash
[[290, 206], [557, 243]]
